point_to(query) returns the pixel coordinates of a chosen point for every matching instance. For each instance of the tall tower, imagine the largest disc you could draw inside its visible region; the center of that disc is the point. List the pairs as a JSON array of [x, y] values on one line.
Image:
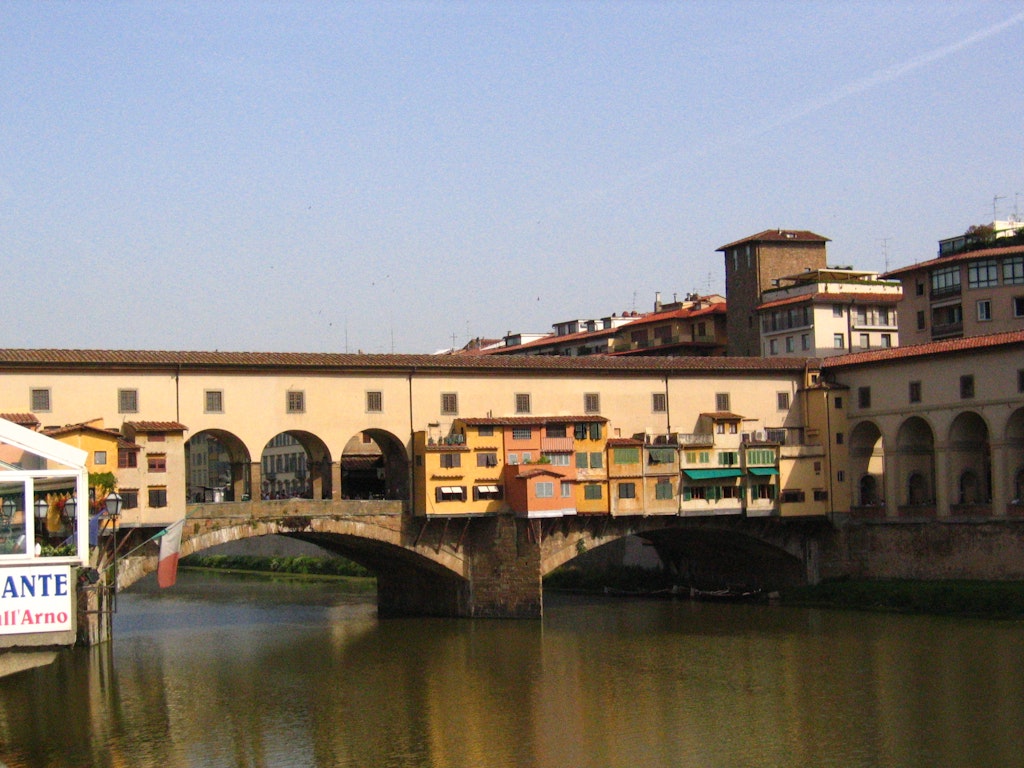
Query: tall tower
[[750, 266]]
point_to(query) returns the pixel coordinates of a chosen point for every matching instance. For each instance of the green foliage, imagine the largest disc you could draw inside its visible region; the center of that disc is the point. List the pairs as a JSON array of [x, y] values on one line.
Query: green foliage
[[58, 550], [104, 481], [301, 565]]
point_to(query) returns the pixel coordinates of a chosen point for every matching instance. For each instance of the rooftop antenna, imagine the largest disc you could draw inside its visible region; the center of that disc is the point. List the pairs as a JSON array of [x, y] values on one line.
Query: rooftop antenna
[[996, 199], [885, 251]]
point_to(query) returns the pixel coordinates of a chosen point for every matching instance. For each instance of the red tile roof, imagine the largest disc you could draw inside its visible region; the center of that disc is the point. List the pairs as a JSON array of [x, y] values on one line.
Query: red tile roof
[[107, 361], [834, 298], [24, 419], [779, 236], [68, 429], [156, 426], [528, 421], [971, 343], [958, 258]]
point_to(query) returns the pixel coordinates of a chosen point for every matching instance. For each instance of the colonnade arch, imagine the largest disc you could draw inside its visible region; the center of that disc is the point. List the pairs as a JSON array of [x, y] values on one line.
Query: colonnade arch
[[867, 465], [295, 464], [217, 467], [969, 460], [915, 463], [375, 465]]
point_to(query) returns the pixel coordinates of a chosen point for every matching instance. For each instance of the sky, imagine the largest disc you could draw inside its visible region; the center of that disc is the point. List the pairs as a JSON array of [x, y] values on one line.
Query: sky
[[407, 176]]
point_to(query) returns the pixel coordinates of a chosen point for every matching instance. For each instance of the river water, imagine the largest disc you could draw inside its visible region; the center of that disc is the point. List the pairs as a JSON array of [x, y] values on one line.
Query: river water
[[221, 671]]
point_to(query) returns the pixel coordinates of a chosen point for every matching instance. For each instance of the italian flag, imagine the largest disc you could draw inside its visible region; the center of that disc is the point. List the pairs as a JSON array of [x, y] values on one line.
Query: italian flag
[[170, 545]]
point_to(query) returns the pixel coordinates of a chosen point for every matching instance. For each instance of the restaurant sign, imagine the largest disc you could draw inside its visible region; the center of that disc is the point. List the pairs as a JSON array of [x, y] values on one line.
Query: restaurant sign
[[35, 599]]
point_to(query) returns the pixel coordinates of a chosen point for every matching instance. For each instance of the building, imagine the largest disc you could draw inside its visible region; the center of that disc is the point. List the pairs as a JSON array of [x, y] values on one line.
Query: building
[[833, 311], [966, 293], [693, 327], [751, 264]]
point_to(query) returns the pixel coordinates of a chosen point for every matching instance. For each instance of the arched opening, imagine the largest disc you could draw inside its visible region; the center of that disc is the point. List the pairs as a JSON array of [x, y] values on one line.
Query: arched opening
[[295, 465], [915, 462], [374, 465], [970, 465], [1018, 488], [1014, 448], [218, 467], [867, 461], [918, 492], [868, 491]]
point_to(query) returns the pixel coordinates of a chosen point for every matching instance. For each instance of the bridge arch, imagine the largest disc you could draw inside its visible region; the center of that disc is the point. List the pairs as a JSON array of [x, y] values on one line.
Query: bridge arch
[[375, 465], [1014, 439], [867, 466], [295, 464]]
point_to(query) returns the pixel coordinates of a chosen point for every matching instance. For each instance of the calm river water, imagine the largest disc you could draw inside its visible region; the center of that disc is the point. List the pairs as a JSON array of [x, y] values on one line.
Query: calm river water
[[220, 671]]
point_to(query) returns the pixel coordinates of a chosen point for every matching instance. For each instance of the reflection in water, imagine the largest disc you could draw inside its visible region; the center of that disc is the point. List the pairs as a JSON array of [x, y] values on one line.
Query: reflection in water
[[224, 672]]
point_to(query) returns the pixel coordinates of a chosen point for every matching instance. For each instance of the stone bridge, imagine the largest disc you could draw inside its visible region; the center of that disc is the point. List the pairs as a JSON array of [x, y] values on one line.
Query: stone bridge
[[491, 566]]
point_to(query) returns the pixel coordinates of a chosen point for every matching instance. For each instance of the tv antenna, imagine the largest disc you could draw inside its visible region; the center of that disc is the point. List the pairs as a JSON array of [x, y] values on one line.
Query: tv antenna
[[996, 199], [885, 250]]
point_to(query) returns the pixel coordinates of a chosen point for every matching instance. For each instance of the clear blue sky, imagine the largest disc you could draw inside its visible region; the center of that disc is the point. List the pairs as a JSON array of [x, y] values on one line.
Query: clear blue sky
[[392, 176]]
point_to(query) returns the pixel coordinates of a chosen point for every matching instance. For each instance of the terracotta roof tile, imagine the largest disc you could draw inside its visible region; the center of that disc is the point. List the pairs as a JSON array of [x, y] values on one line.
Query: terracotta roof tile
[[24, 419], [958, 258], [526, 421], [970, 343], [114, 360], [156, 426], [834, 298], [779, 236]]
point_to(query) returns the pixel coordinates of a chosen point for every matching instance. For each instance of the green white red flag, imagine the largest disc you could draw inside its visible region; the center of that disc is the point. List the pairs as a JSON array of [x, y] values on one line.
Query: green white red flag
[[170, 546]]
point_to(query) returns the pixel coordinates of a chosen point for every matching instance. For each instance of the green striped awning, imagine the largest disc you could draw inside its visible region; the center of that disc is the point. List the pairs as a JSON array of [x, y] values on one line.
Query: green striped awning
[[762, 471], [712, 474]]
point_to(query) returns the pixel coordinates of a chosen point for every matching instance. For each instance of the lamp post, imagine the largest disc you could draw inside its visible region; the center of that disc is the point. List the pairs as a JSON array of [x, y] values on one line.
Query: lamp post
[[7, 510], [113, 505]]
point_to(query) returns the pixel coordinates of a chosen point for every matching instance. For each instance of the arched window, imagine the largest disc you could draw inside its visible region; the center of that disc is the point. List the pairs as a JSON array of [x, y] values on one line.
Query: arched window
[[917, 489], [868, 491], [969, 491]]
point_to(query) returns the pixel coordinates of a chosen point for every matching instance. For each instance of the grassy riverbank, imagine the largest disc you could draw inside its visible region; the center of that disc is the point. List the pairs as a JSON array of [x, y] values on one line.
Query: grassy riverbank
[[285, 566], [978, 599]]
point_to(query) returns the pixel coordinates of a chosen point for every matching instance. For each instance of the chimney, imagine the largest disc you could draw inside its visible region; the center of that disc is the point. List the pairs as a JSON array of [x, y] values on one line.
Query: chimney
[[657, 301]]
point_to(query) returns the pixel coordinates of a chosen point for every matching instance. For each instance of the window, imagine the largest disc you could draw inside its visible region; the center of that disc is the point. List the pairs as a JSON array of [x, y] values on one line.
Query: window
[[627, 490], [773, 347], [915, 392], [156, 437], [865, 341], [522, 403], [214, 401], [886, 340], [864, 397], [1013, 270], [820, 495], [296, 402], [40, 400], [487, 459], [663, 489], [1020, 380], [1018, 306], [840, 476], [967, 386], [805, 341], [945, 281], [984, 310], [596, 460], [626, 455], [157, 497], [127, 401], [982, 274], [919, 288], [545, 490], [838, 341], [566, 489], [450, 404], [374, 402], [487, 492], [840, 438], [557, 459], [837, 310], [556, 430], [760, 456], [591, 402], [582, 460], [728, 458], [127, 459], [920, 320], [782, 401], [451, 460], [485, 431], [156, 462], [659, 403], [592, 492], [839, 403], [522, 433], [450, 493], [792, 497], [722, 401], [789, 344], [513, 459], [129, 498], [99, 457]]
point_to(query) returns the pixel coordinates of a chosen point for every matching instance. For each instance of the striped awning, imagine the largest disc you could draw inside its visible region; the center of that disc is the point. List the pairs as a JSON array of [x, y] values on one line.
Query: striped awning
[[712, 474]]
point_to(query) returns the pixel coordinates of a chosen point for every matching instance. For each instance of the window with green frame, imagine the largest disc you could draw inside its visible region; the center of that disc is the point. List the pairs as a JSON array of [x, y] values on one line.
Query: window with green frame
[[626, 455], [592, 492], [760, 456], [698, 457], [663, 489], [728, 458]]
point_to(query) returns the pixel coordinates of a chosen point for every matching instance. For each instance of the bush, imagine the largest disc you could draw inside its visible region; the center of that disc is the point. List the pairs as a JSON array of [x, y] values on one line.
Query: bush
[[303, 564]]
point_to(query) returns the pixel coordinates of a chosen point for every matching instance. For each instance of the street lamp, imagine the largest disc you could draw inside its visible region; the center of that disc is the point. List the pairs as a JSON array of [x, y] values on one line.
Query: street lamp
[[7, 510], [41, 509], [113, 504], [70, 508]]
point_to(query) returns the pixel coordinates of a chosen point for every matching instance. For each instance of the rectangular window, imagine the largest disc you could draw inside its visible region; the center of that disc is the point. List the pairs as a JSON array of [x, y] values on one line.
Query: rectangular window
[[839, 403], [485, 431], [522, 433], [596, 460], [663, 489], [487, 459], [865, 341], [557, 459], [984, 310], [295, 402], [487, 492], [156, 437], [728, 458], [789, 344], [915, 392], [592, 492], [157, 497], [127, 459], [722, 401], [129, 498], [773, 347], [451, 460], [920, 320], [839, 438], [522, 403], [837, 310], [886, 340], [919, 288], [214, 401], [127, 401], [450, 493], [626, 455], [864, 397], [1020, 380], [838, 341], [374, 402], [627, 490], [1018, 306], [820, 495], [782, 401], [967, 386], [449, 403], [40, 400], [566, 489], [659, 403], [513, 459], [556, 430], [1013, 270], [156, 462], [545, 490], [945, 281], [581, 460], [591, 402], [982, 274], [99, 458], [792, 497], [805, 341]]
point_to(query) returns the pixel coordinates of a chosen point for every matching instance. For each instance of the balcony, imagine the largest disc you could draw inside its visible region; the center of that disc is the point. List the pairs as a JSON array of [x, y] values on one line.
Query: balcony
[[696, 439]]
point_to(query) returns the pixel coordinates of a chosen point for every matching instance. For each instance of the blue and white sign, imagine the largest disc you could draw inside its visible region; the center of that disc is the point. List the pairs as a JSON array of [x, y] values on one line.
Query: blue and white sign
[[35, 599]]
